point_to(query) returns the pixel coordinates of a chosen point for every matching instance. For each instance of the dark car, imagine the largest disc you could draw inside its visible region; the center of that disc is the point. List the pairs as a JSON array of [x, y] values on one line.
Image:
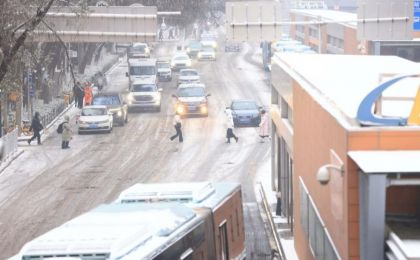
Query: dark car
[[115, 104], [245, 113]]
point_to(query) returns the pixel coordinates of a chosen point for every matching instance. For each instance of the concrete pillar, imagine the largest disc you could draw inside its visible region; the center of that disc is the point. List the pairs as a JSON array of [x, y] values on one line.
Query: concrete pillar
[[372, 198]]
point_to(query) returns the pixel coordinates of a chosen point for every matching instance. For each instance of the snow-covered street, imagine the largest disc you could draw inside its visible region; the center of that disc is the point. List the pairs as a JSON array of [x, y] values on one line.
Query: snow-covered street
[[47, 186]]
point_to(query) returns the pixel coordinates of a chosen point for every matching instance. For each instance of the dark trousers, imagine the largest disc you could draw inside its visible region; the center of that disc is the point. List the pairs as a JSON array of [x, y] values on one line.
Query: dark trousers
[[65, 144], [36, 135], [178, 134], [80, 101], [230, 134]]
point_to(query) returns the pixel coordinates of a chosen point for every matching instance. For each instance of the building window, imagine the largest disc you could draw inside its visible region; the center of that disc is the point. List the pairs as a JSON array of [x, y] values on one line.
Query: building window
[[320, 241]]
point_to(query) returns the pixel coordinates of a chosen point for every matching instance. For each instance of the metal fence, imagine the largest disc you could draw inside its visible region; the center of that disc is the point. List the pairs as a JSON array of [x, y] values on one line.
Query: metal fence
[[47, 117], [8, 145]]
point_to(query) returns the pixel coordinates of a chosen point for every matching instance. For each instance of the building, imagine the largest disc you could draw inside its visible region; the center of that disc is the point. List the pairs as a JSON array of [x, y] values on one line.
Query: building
[[339, 35], [372, 198]]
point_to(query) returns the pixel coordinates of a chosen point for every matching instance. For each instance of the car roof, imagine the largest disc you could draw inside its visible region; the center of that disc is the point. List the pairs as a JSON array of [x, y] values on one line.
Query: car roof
[[243, 100], [177, 54], [188, 70], [142, 61], [139, 44], [95, 106], [191, 85]]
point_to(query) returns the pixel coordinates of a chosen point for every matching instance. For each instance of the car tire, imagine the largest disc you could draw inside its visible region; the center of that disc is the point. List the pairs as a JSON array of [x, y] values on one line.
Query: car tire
[[126, 118]]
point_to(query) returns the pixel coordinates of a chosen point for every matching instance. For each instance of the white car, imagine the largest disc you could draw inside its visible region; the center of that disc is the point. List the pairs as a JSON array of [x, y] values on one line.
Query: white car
[[144, 94], [180, 61], [192, 99], [206, 53], [188, 76], [95, 118], [138, 50]]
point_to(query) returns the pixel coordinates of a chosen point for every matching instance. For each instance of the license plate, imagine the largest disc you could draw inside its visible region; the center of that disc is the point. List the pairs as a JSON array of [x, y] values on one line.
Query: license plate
[[93, 126], [192, 108]]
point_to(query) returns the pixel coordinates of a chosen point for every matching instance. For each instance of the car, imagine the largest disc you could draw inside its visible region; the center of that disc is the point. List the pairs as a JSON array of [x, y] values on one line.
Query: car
[[245, 112], [180, 61], [115, 103], [141, 69], [164, 71], [95, 119], [208, 39], [144, 94], [138, 50], [188, 76], [193, 48], [207, 53], [191, 99]]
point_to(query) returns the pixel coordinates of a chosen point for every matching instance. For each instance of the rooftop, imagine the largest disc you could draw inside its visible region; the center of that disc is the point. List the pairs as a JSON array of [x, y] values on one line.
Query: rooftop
[[341, 82]]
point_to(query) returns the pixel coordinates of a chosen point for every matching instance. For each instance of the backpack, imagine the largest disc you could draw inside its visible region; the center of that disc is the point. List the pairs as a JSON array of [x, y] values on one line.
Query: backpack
[[60, 128]]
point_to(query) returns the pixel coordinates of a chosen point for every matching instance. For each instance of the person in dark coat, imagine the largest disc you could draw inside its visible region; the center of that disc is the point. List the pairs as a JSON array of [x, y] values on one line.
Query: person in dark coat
[[80, 95], [36, 127], [177, 124]]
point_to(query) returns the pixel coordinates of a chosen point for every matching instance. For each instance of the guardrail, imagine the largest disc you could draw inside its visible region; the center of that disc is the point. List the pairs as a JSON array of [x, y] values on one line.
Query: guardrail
[[48, 116], [273, 228], [8, 145]]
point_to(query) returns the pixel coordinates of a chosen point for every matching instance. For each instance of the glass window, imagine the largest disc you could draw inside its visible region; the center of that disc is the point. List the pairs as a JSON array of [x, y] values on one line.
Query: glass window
[[163, 65], [191, 92], [106, 100], [142, 70], [189, 73], [181, 58], [144, 88], [138, 48], [94, 111], [244, 105]]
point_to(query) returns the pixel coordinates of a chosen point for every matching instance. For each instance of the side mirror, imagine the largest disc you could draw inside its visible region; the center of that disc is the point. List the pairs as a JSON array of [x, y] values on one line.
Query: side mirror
[[126, 74], [208, 95], [260, 107], [160, 89], [175, 96]]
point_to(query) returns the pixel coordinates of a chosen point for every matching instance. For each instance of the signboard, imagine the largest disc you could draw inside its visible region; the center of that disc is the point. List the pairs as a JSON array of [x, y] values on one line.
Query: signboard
[[254, 21], [390, 20], [416, 15]]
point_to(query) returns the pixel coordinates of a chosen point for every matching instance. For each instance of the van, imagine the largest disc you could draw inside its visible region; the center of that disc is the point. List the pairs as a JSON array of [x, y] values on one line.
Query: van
[[142, 69]]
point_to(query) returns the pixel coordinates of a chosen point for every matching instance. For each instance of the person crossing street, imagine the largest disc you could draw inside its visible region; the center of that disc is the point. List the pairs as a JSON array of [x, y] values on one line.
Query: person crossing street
[[230, 126], [178, 125]]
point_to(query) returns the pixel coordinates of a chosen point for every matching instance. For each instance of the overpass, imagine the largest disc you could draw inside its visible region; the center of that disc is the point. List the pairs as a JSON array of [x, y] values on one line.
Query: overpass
[[100, 24]]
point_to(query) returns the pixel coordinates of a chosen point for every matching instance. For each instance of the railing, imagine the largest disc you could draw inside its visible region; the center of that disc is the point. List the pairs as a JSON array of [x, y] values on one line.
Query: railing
[[273, 228], [8, 145], [48, 116]]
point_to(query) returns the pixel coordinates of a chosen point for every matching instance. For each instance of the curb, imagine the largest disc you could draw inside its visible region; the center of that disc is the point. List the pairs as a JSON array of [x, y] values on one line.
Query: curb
[[8, 162]]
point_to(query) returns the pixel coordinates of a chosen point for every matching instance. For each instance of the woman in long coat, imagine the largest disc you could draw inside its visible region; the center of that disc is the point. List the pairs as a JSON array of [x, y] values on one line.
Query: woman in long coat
[[264, 125], [67, 133]]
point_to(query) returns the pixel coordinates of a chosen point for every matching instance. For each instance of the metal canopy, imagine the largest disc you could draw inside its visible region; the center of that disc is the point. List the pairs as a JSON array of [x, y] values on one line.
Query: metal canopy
[[404, 162]]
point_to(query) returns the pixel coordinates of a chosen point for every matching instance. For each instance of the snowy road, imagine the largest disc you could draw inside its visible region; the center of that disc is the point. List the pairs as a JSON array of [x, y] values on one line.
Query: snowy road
[[47, 186]]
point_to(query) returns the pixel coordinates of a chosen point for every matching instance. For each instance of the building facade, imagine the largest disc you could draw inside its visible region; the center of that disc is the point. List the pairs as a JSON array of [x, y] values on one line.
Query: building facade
[[369, 206], [339, 35]]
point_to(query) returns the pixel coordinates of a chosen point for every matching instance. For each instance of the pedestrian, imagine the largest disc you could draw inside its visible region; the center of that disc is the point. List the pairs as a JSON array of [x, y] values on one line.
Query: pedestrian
[[160, 35], [100, 81], [264, 126], [230, 126], [36, 127], [66, 135], [88, 93], [171, 33], [177, 124], [79, 95]]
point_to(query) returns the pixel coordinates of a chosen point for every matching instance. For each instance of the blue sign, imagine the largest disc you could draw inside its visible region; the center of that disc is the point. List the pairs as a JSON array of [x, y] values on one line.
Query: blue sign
[[416, 15], [31, 85]]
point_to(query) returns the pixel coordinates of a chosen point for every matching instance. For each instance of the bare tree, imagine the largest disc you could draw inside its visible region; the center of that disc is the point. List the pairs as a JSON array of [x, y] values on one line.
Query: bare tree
[[15, 32]]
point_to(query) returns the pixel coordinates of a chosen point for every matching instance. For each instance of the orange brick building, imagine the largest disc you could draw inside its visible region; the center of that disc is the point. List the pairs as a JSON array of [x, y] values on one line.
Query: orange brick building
[[370, 207], [341, 37]]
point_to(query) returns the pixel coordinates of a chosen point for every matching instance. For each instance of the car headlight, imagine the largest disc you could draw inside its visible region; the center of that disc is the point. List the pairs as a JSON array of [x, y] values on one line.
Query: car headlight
[[214, 44], [203, 109], [147, 50], [180, 109], [188, 49], [200, 55], [119, 113], [188, 63], [173, 64]]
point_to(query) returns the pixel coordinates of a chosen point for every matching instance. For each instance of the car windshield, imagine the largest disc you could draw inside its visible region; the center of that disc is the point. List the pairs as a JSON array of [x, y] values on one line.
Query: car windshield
[[163, 65], [181, 58], [189, 73], [106, 100], [142, 70], [244, 105], [208, 49], [195, 45], [144, 88], [138, 48], [191, 92], [94, 111]]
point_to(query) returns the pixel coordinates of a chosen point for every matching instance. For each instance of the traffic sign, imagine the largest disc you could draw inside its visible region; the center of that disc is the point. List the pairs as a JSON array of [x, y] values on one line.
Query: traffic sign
[[416, 15]]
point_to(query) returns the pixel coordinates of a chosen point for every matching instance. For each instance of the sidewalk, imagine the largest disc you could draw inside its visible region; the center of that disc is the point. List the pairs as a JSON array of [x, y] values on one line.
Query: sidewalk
[[283, 230]]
